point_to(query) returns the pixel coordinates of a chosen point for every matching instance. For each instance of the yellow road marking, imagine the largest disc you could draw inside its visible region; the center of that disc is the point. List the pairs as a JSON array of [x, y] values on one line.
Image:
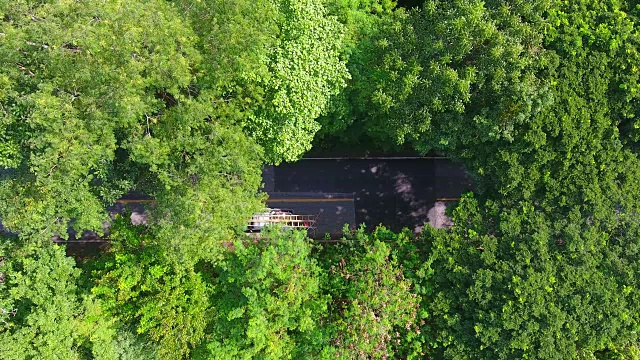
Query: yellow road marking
[[129, 201], [310, 200]]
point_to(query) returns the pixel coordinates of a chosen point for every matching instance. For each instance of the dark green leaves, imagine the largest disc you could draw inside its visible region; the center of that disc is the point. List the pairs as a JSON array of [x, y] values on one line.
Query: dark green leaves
[[527, 287]]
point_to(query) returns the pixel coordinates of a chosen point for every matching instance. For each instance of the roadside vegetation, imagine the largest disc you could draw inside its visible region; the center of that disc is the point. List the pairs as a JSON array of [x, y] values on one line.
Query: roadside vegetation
[[186, 101]]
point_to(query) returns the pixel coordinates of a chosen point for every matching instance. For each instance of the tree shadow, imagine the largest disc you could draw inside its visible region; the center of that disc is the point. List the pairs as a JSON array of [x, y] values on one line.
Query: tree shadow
[[398, 193]]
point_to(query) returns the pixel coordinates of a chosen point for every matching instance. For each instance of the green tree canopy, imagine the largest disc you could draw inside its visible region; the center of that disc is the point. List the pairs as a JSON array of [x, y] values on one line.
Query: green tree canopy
[[271, 64], [372, 302], [572, 153], [183, 100], [446, 75], [267, 299], [522, 284], [40, 306], [101, 98], [136, 284]]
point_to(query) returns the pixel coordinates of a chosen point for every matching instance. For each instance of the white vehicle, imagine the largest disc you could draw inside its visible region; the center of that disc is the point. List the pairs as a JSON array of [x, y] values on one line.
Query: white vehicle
[[284, 217]]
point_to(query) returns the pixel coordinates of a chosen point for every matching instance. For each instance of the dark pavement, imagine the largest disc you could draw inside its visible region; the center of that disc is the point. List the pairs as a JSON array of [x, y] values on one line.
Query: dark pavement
[[331, 211], [395, 192]]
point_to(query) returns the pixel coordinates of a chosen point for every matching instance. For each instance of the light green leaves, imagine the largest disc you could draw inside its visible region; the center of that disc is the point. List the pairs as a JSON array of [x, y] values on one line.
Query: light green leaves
[[273, 68], [103, 98], [39, 303], [137, 284], [267, 298], [306, 72]]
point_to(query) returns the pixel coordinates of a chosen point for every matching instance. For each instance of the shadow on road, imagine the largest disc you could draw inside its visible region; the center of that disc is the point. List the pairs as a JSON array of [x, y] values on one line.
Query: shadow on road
[[397, 193]]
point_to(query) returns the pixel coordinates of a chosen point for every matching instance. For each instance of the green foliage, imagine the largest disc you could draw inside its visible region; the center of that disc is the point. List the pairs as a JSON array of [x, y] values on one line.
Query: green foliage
[[45, 314], [369, 25], [39, 302], [447, 75], [266, 299], [136, 284], [206, 188], [413, 258], [529, 96], [602, 38], [531, 102], [477, 83], [513, 284], [100, 98], [105, 337], [571, 153], [372, 301], [274, 70], [183, 100], [128, 346], [76, 73], [360, 19]]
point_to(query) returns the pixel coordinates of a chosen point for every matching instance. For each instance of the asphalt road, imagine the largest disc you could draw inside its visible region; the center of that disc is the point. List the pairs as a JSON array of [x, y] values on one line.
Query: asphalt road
[[329, 211], [395, 192]]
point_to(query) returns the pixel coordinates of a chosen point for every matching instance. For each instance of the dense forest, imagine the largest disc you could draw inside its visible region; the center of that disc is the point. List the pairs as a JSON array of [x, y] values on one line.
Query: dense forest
[[185, 101]]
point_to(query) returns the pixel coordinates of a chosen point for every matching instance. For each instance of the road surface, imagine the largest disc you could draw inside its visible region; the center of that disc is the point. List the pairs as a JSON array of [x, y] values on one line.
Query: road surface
[[395, 192]]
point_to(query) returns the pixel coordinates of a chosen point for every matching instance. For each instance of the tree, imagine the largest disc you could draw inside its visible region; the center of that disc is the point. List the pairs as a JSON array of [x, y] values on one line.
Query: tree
[[369, 25], [40, 307], [266, 299], [372, 302], [102, 98], [519, 283], [528, 100], [550, 247], [139, 286], [271, 64], [447, 75], [572, 153], [606, 33], [45, 312]]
